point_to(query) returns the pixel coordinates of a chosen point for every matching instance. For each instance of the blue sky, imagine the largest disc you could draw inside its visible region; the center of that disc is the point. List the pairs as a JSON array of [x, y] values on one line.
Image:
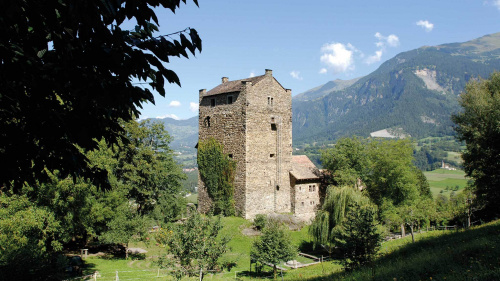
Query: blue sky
[[308, 43]]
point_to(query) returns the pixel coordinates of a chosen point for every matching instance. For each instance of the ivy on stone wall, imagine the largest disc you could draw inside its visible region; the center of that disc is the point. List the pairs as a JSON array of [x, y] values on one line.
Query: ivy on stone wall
[[217, 172]]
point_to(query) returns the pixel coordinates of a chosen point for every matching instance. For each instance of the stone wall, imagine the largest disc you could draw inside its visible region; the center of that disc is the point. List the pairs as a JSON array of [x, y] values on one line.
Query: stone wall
[[256, 129], [226, 123], [306, 199], [268, 147]]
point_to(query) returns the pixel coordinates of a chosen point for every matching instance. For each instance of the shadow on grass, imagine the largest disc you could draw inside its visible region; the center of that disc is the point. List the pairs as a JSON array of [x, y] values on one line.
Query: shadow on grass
[[463, 255]]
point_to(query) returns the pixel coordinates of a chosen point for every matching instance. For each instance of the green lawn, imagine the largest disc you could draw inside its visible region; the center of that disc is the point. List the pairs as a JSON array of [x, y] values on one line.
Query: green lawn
[[439, 179], [443, 255]]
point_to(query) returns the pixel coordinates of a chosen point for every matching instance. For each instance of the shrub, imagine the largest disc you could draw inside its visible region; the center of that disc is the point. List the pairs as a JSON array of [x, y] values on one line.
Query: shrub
[[260, 221]]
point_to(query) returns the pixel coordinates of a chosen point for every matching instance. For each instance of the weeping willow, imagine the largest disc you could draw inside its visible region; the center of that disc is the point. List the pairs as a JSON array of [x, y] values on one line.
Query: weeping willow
[[329, 219]]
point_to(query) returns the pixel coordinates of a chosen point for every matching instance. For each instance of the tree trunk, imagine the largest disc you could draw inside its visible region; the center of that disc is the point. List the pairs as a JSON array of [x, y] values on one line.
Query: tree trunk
[[275, 272], [412, 234], [126, 251], [403, 230]]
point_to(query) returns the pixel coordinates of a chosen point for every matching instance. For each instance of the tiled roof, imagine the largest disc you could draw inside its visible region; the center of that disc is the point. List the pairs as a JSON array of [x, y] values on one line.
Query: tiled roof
[[303, 168], [233, 86]]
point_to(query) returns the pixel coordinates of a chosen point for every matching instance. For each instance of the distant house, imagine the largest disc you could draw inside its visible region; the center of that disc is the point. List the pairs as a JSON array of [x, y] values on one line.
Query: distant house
[[253, 119], [446, 166]]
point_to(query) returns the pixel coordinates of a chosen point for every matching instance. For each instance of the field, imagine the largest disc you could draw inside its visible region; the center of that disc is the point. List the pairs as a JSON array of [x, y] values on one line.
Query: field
[[437, 255], [440, 179]]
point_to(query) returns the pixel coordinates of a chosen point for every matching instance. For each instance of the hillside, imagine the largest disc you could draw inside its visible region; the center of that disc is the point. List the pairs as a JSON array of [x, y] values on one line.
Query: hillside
[[414, 93], [325, 89], [184, 132]]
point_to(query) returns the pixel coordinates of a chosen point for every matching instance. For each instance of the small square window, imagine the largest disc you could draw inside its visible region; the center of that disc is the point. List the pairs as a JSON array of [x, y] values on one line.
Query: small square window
[[271, 155], [212, 102], [273, 127], [230, 156], [229, 99], [277, 187]]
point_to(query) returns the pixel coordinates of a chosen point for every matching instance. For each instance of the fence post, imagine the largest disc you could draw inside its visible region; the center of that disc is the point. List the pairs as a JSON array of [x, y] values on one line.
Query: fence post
[[95, 276], [117, 278]]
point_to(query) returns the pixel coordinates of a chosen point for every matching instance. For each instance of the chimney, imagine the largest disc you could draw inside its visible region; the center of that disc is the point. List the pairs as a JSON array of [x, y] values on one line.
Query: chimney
[[224, 80], [269, 72]]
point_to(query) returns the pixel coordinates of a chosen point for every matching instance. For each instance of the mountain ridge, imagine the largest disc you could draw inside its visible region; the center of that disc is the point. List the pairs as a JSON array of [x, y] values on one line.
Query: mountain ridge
[[416, 91]]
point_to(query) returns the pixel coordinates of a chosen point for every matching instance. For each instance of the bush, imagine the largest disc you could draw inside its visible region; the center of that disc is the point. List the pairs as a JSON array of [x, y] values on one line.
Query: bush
[[260, 221]]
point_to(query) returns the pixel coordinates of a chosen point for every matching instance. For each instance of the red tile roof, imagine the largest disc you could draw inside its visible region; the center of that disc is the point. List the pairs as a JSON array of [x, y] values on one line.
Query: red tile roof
[[303, 168]]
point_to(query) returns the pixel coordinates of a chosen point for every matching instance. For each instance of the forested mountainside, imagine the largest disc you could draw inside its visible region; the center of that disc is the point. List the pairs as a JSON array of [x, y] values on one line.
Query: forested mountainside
[[414, 93]]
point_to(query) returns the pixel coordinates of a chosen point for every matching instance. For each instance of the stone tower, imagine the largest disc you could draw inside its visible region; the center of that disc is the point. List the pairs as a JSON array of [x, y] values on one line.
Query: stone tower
[[253, 119]]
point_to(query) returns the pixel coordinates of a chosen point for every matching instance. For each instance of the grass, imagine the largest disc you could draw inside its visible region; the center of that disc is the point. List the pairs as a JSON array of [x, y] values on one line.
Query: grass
[[438, 255], [193, 198], [439, 179], [443, 255]]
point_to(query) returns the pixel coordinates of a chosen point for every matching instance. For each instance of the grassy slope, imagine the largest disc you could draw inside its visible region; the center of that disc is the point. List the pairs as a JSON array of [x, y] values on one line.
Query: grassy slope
[[440, 178], [465, 255], [441, 255]]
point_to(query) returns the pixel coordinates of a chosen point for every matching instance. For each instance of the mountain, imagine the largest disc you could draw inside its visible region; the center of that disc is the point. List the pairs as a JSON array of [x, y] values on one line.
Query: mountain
[[184, 132], [325, 89], [412, 94]]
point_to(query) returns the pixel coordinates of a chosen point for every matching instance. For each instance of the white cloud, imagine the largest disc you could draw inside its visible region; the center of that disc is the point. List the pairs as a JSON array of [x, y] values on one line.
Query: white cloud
[[252, 74], [174, 103], [495, 3], [194, 106], [296, 75], [375, 58], [173, 116], [393, 40], [425, 24], [323, 71], [382, 44], [338, 57]]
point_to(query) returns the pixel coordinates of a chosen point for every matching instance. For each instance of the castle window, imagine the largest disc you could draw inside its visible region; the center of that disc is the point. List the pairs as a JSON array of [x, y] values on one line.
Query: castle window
[[277, 187], [230, 156], [273, 127], [207, 121], [271, 101], [302, 203], [212, 102], [271, 155], [229, 99]]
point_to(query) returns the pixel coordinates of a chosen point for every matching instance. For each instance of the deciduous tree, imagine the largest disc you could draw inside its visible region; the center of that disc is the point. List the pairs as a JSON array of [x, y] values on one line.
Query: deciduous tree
[[196, 245], [274, 246], [67, 78], [478, 125]]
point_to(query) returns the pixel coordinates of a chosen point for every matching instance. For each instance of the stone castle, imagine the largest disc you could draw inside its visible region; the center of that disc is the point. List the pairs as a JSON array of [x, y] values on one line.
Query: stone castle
[[252, 118]]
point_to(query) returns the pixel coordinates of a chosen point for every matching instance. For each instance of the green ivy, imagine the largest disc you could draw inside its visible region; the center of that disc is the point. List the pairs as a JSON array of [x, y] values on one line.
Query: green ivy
[[217, 172]]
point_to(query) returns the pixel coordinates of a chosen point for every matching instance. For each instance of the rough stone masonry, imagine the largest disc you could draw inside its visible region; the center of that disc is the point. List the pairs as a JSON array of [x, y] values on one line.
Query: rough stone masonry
[[252, 118]]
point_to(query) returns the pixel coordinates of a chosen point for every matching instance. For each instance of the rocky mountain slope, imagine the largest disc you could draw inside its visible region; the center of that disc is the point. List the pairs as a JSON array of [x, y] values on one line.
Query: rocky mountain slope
[[413, 94]]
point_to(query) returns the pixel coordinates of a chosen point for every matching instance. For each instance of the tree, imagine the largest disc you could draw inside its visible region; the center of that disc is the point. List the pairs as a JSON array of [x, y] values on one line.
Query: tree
[[196, 245], [29, 239], [146, 167], [127, 225], [359, 239], [477, 125], [348, 161], [217, 172], [67, 71], [274, 246], [332, 215]]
